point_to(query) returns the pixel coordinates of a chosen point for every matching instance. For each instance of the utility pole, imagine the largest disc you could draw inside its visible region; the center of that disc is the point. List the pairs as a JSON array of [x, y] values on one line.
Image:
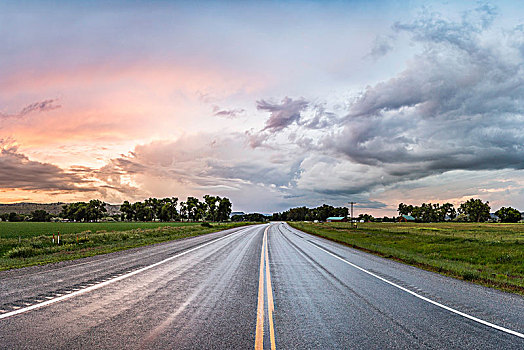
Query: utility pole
[[351, 213]]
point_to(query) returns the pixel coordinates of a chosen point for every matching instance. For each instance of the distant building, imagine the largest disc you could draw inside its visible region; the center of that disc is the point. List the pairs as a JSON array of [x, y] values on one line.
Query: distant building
[[406, 218], [493, 217], [336, 219]]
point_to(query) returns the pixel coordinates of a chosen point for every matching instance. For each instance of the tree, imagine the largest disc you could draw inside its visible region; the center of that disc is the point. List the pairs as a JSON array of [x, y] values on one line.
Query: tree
[[449, 210], [168, 210], [508, 214], [254, 217], [192, 207], [40, 216], [366, 218], [75, 211], [475, 210], [14, 217], [183, 210], [95, 210], [142, 211], [211, 202], [224, 209], [127, 211]]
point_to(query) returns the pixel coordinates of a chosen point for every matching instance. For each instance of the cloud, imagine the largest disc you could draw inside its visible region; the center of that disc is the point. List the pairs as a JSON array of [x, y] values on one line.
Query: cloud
[[381, 46], [41, 106], [227, 113], [17, 171], [282, 115], [458, 105]]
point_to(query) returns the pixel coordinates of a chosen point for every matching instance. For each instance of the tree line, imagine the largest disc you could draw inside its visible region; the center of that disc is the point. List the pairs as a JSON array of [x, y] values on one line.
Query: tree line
[[473, 210], [310, 214], [253, 217], [38, 215], [212, 208]]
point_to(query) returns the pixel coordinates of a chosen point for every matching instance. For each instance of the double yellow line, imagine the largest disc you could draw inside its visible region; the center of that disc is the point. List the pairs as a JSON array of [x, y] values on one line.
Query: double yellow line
[[264, 262]]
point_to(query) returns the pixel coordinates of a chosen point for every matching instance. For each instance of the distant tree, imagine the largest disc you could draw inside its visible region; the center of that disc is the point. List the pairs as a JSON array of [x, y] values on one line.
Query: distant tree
[[168, 210], [212, 203], [192, 205], [428, 212], [14, 217], [475, 210], [142, 211], [95, 210], [4, 216], [40, 215], [224, 209], [254, 217], [183, 211], [75, 211], [449, 210], [404, 209], [127, 211], [366, 218], [320, 213], [238, 218], [508, 214]]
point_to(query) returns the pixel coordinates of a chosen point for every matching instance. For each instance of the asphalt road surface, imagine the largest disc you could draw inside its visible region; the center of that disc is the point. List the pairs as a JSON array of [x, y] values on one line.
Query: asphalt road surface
[[265, 286]]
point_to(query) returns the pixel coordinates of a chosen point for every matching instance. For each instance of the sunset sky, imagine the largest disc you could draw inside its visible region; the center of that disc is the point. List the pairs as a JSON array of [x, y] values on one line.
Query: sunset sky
[[272, 104]]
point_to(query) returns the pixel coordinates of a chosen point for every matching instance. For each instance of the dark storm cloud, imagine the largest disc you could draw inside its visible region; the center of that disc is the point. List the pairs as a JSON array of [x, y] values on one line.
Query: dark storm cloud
[[17, 171], [282, 114], [458, 105], [41, 106]]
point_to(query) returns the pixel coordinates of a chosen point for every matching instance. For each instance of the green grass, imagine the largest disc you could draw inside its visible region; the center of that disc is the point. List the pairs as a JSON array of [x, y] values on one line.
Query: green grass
[[32, 229], [78, 240], [488, 254]]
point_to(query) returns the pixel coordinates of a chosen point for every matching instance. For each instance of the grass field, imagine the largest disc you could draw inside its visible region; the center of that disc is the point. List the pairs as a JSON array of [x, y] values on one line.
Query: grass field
[[33, 229], [489, 254], [26, 243]]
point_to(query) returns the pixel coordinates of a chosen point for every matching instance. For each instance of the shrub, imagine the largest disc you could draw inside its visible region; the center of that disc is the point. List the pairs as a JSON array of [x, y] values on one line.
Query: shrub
[[21, 252], [470, 275]]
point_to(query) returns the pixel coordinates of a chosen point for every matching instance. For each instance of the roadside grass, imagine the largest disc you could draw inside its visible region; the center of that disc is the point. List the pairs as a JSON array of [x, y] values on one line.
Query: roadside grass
[[487, 254], [79, 240]]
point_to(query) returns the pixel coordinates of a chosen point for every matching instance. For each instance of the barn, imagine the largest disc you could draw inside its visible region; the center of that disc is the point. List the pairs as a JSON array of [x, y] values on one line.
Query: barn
[[406, 218], [336, 219]]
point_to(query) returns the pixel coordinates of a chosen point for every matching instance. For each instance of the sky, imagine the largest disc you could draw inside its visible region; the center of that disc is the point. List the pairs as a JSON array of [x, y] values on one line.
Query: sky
[[273, 104]]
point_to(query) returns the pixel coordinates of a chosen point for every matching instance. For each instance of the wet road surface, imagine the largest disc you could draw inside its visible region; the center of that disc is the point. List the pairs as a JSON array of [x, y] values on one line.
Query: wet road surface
[[264, 286]]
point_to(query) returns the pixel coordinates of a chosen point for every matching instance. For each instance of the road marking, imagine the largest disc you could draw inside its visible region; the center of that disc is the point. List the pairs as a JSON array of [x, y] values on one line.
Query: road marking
[[473, 318], [270, 303], [103, 284], [259, 334]]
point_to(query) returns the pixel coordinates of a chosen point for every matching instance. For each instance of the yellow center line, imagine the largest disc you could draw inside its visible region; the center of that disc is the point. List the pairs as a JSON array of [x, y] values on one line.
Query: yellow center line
[[270, 304], [259, 335]]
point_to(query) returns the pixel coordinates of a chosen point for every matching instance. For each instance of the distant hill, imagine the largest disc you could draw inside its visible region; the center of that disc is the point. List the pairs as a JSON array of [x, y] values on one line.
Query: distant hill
[[52, 208]]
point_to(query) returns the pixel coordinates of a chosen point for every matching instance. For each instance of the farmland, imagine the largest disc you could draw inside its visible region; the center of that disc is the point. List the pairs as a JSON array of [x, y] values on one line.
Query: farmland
[[33, 229], [27, 243], [489, 254]]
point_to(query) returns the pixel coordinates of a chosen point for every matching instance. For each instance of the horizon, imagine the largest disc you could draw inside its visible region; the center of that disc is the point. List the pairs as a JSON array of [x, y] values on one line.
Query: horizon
[[274, 105]]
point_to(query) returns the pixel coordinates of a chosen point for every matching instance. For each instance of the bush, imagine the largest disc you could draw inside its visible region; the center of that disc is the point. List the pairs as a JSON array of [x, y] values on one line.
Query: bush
[[206, 224], [21, 252], [470, 275]]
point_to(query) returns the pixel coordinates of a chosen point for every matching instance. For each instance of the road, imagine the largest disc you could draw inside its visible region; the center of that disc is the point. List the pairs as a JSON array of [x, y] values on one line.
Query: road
[[264, 286]]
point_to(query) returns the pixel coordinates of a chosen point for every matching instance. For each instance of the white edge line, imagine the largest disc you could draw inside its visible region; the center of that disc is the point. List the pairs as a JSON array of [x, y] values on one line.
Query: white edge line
[[486, 323], [103, 284]]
